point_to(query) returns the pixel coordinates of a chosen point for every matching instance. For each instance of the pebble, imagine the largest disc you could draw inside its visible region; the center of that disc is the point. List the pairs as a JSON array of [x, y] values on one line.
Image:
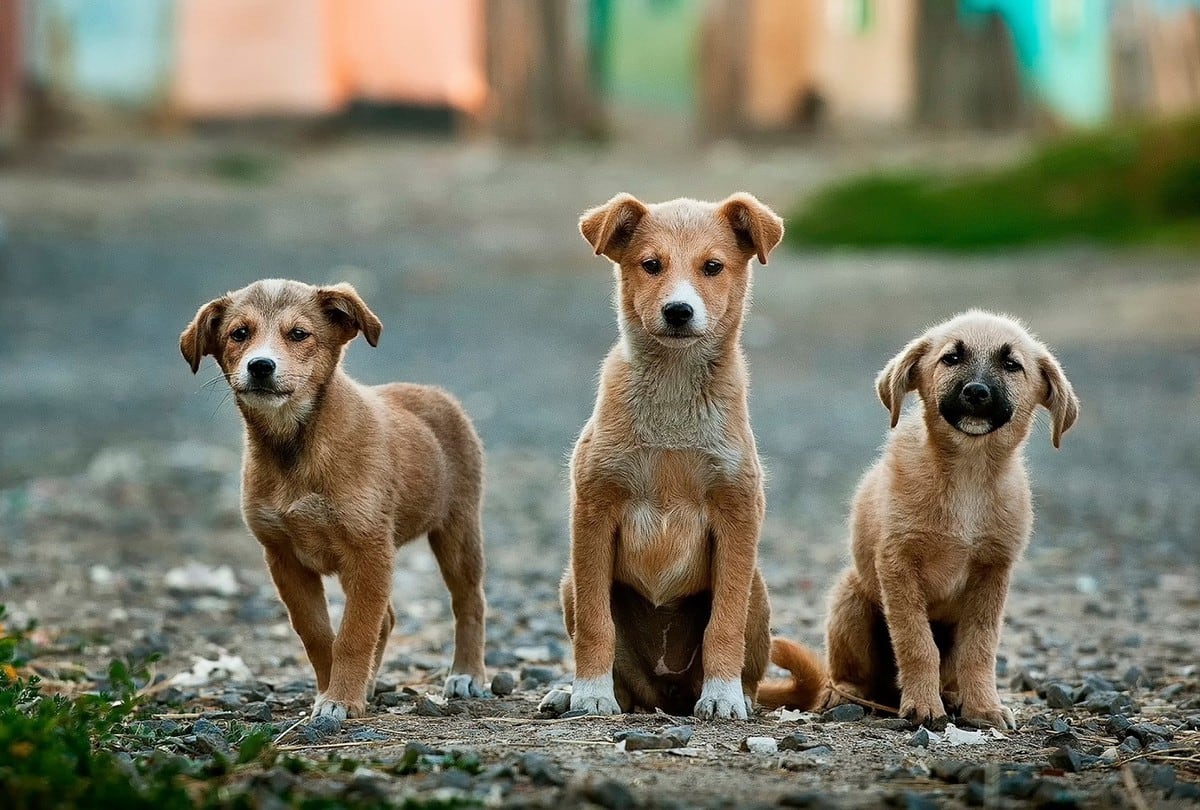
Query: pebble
[[257, 712], [319, 729], [427, 708], [1062, 739], [609, 793], [1147, 733], [1065, 759], [639, 740], [1118, 725], [500, 658], [503, 684], [680, 735], [1060, 696], [532, 677], [920, 739], [367, 734], [540, 769], [817, 751], [1111, 703], [891, 723], [760, 745], [796, 741], [456, 780], [393, 699], [556, 702], [846, 713]]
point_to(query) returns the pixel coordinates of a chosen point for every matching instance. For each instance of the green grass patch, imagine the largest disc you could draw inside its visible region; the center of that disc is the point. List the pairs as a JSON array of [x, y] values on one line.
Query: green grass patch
[[1136, 185]]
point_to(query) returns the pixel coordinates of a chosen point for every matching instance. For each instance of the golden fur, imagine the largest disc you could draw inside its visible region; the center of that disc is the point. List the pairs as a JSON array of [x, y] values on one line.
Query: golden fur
[[938, 522], [337, 475], [663, 598]]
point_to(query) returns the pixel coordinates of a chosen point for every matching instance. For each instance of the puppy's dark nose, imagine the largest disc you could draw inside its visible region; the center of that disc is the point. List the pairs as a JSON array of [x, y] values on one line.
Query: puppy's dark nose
[[976, 394], [677, 313], [261, 367]]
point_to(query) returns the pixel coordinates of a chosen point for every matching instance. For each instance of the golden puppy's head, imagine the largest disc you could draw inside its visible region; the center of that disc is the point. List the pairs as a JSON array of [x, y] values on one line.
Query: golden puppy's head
[[980, 375], [682, 267], [278, 342]]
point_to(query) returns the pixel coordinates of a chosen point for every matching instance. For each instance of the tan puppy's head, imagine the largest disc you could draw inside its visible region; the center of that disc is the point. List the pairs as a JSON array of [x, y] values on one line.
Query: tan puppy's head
[[278, 342], [682, 267], [980, 375]]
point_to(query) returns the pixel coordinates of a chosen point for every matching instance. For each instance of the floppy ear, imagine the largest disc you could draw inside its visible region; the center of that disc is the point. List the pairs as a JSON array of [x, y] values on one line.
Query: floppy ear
[[609, 227], [201, 336], [756, 226], [342, 305], [898, 377], [1059, 398]]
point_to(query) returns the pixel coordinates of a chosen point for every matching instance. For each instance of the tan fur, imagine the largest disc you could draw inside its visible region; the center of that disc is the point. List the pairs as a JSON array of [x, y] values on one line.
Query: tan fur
[[936, 526], [663, 592], [337, 475]]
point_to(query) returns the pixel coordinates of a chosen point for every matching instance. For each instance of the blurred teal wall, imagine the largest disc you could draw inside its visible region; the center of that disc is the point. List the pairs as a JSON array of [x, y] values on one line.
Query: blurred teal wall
[[115, 51], [647, 50]]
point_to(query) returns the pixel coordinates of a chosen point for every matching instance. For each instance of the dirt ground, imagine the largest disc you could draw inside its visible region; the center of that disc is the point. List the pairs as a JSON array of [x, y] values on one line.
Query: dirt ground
[[118, 467]]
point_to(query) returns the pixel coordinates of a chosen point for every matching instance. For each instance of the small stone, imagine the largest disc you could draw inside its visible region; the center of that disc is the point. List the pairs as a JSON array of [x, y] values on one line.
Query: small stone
[[1134, 676], [541, 770], [609, 793], [796, 741], [920, 739], [537, 676], [1129, 745], [323, 725], [1186, 791], [760, 745], [556, 702], [639, 740], [1169, 693], [392, 699], [679, 735], [456, 779], [503, 684], [1062, 739], [366, 734], [1118, 725], [1110, 755], [500, 658], [891, 723], [1111, 703], [817, 751], [573, 713], [203, 726], [427, 708], [1162, 778], [1060, 696], [1149, 732], [258, 712], [1059, 725], [846, 713], [1065, 759]]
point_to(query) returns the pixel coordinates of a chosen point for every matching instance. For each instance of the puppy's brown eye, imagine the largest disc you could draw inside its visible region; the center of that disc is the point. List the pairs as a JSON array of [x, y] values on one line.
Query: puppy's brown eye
[[951, 359], [297, 335], [239, 335], [712, 267], [1011, 365], [652, 266]]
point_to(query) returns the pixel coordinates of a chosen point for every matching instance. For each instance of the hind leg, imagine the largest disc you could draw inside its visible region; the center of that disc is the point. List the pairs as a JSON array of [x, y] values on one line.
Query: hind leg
[[458, 547], [758, 639], [849, 636]]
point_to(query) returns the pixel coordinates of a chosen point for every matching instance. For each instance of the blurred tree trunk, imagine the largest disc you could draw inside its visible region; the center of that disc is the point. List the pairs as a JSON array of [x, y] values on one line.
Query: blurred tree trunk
[[540, 87], [721, 69], [967, 74], [10, 72]]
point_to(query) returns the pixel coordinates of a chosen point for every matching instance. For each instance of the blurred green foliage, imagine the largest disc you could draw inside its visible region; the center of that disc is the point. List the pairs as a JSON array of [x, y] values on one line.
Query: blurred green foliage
[[1132, 185]]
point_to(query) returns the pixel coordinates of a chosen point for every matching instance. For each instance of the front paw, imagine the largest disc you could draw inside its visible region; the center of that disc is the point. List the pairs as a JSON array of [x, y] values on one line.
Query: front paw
[[988, 714], [594, 696], [462, 685], [922, 708], [337, 710], [722, 700]]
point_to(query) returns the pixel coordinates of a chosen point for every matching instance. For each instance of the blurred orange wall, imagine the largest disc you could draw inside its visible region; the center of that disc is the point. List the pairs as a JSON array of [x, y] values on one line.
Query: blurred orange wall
[[286, 57]]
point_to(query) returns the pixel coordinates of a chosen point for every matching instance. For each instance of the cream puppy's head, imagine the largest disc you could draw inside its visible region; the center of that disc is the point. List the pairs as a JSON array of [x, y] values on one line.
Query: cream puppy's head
[[980, 377], [278, 342], [683, 266]]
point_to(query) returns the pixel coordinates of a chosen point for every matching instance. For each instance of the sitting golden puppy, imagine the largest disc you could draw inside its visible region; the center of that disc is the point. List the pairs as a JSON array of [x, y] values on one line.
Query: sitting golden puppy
[[336, 475], [938, 523], [663, 598]]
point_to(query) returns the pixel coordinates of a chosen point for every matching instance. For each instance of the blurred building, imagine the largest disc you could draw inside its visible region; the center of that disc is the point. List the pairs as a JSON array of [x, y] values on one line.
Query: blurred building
[[540, 69]]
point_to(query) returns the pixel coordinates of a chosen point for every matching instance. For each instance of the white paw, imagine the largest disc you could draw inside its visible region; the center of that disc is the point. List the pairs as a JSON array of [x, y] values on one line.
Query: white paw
[[462, 685], [594, 696], [722, 700], [556, 702], [324, 707]]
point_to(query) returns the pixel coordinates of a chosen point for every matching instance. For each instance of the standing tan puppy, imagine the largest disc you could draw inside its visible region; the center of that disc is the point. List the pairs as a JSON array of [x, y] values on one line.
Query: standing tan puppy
[[939, 521], [337, 475], [663, 598]]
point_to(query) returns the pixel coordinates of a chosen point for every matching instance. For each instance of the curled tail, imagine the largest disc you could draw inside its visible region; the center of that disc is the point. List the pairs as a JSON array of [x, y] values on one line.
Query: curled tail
[[807, 681]]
